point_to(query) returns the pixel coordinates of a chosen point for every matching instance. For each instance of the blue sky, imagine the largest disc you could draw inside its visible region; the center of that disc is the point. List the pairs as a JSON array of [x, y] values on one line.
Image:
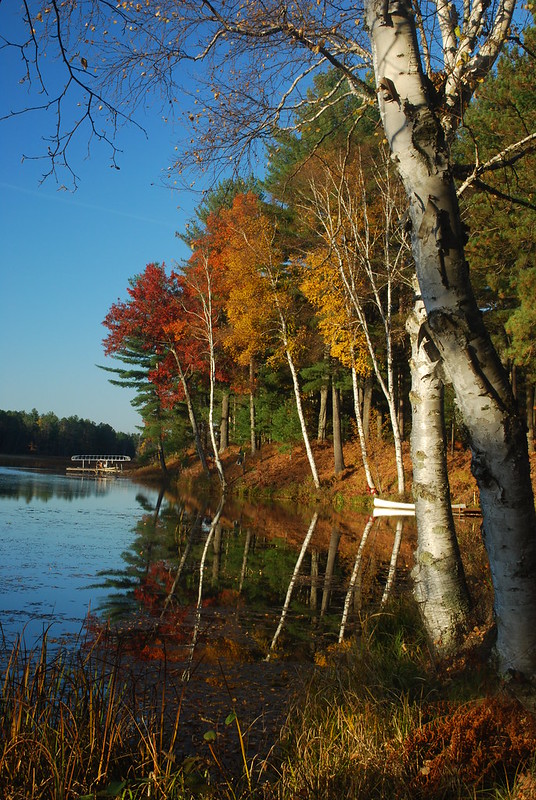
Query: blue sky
[[67, 256]]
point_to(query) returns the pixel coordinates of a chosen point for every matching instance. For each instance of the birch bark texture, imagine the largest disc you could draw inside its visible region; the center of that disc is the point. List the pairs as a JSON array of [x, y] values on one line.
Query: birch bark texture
[[439, 581], [419, 145]]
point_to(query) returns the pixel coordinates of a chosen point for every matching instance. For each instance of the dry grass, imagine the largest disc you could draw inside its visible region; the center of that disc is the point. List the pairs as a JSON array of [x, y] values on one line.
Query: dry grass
[[376, 720], [380, 722]]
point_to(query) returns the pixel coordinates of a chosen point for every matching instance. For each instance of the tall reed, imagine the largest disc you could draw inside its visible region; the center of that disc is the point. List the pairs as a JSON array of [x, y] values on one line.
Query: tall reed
[[72, 725]]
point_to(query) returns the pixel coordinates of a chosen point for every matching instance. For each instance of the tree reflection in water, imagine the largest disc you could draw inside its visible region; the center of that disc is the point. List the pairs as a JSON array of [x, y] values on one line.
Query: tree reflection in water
[[266, 567]]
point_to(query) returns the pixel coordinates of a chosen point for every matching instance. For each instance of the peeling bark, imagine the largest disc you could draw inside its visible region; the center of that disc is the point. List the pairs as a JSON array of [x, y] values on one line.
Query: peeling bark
[[439, 580], [483, 395]]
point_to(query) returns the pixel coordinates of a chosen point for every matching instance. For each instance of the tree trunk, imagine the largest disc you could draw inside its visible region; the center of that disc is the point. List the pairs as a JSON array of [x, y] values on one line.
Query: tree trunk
[[212, 433], [191, 414], [392, 564], [199, 607], [439, 580], [299, 408], [243, 571], [361, 434], [530, 415], [338, 455], [313, 596], [224, 423], [216, 548], [367, 400], [354, 577], [323, 413], [483, 395], [330, 568], [252, 437], [401, 404], [162, 457], [290, 589]]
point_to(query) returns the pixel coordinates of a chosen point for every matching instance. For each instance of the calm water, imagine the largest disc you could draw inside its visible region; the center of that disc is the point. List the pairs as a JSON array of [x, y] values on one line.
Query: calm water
[[254, 579], [56, 534]]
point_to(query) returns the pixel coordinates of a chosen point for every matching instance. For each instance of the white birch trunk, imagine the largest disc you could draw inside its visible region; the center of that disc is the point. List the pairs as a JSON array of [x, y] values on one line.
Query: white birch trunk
[[361, 433], [354, 576], [252, 437], [212, 432], [290, 589], [299, 408], [199, 607], [439, 580], [484, 397], [191, 413]]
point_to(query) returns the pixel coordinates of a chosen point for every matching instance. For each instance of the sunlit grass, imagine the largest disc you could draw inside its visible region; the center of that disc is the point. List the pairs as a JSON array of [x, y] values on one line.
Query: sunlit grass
[[382, 721]]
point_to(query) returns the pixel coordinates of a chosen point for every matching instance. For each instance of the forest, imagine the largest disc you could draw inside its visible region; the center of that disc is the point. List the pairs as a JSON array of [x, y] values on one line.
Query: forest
[[297, 294], [362, 265], [34, 434], [320, 280]]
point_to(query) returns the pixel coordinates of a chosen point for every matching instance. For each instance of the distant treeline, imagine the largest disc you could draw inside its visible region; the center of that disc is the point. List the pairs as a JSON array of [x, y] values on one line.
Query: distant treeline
[[23, 433]]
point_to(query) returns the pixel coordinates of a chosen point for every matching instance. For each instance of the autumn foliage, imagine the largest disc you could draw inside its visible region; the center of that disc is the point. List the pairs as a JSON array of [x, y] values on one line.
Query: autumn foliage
[[482, 741]]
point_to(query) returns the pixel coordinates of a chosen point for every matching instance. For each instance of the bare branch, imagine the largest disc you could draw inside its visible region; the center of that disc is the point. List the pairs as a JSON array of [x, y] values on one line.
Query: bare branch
[[506, 158]]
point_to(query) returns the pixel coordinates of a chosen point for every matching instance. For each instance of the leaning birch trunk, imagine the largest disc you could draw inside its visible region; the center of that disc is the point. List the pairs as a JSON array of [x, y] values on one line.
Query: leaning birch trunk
[[199, 607], [361, 433], [299, 408], [243, 570], [194, 527], [217, 459], [290, 589], [354, 576], [483, 395], [191, 414], [392, 564], [338, 455], [439, 581]]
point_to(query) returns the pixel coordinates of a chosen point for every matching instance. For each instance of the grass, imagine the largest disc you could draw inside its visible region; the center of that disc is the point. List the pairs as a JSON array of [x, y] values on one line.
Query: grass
[[377, 720], [381, 721]]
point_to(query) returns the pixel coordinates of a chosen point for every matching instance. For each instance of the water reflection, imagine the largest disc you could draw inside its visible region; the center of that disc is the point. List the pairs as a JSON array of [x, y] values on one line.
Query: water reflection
[[56, 534], [252, 581], [185, 577], [31, 485]]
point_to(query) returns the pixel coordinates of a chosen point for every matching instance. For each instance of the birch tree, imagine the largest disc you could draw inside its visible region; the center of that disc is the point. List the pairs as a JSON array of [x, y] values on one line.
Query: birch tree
[[200, 304], [438, 575], [323, 287], [419, 122], [358, 237], [427, 60]]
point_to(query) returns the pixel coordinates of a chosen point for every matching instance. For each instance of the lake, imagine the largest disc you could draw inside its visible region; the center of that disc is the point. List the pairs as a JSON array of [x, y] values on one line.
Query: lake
[[254, 579]]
